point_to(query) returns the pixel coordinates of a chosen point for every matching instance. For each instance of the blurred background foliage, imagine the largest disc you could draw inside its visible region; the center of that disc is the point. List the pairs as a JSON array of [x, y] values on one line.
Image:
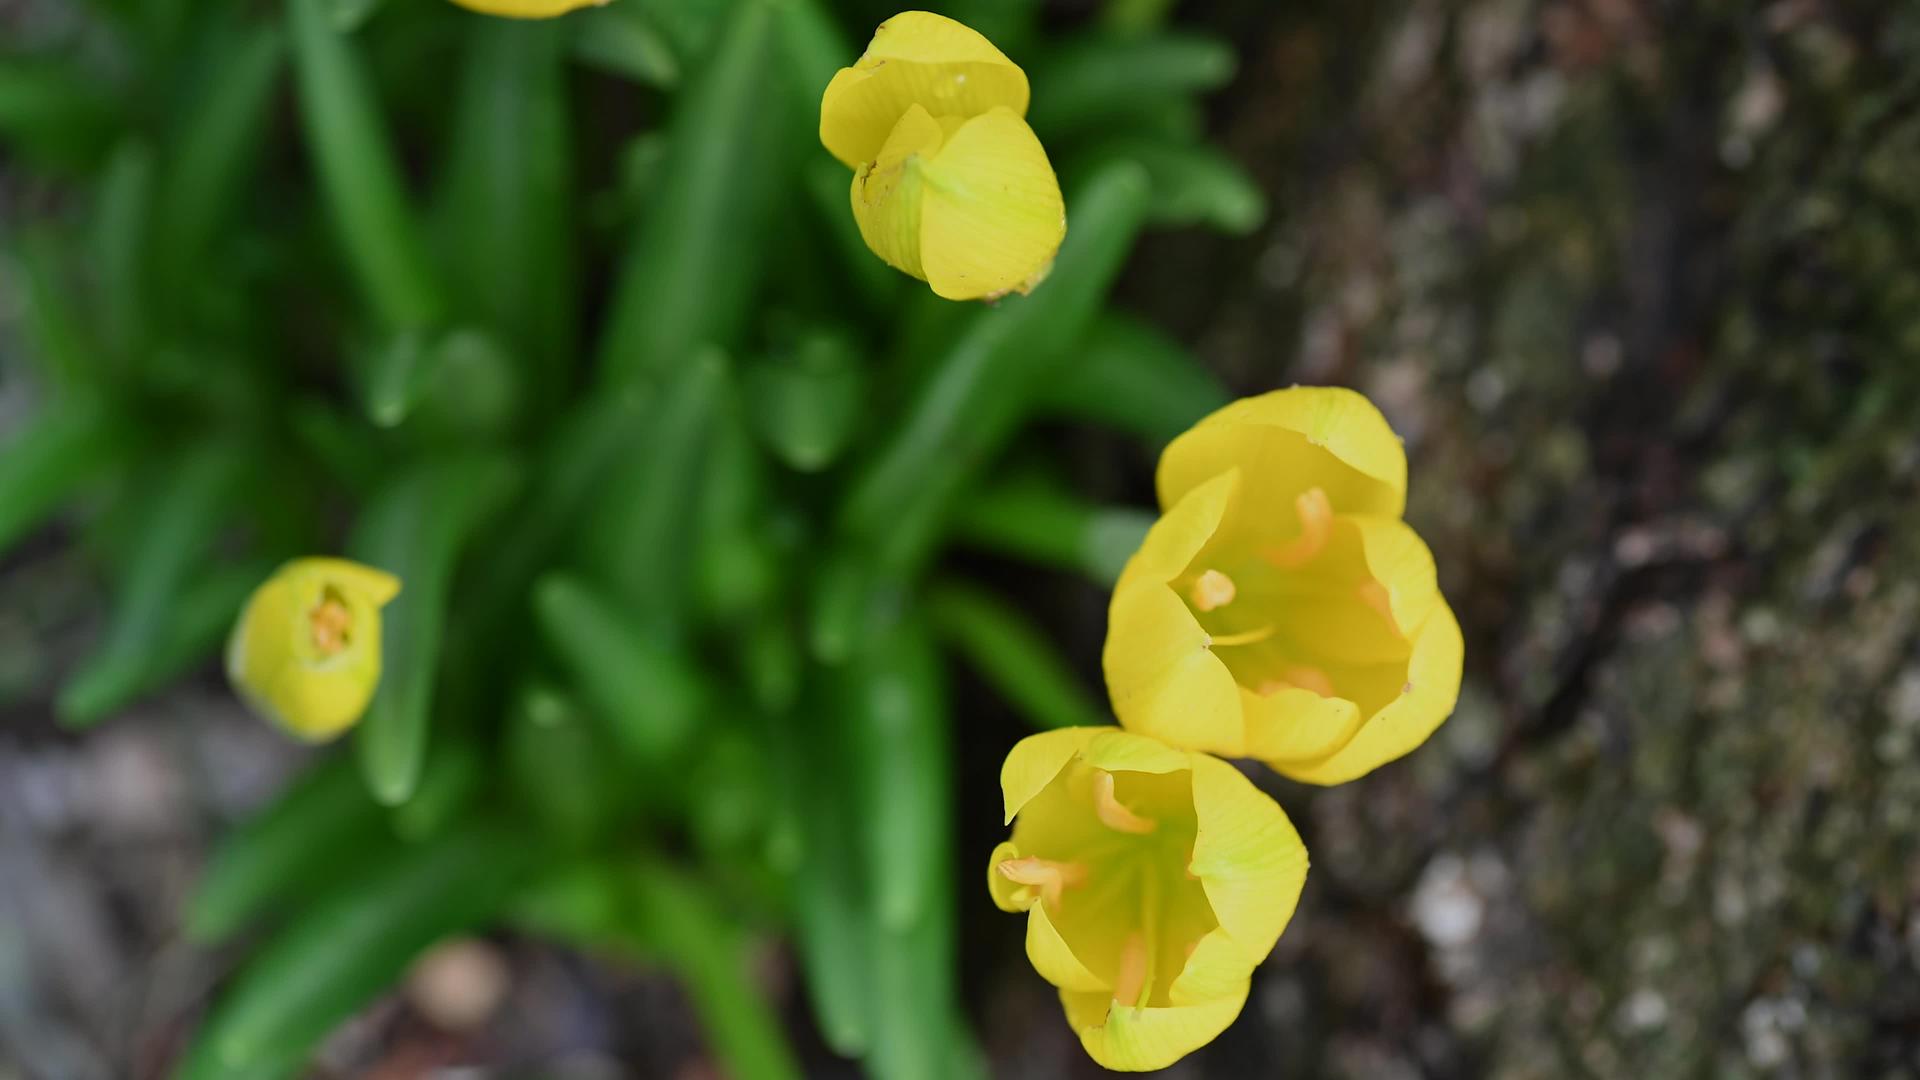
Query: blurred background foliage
[[1635, 281], [568, 325]]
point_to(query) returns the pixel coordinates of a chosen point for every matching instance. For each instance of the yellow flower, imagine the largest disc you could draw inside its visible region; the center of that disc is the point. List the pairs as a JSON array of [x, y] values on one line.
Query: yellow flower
[[306, 651], [1154, 881], [527, 9], [1280, 609], [950, 185]]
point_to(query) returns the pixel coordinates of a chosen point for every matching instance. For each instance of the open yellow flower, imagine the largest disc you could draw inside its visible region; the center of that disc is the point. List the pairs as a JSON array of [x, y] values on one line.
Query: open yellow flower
[[305, 653], [1154, 881], [527, 9], [1280, 609], [950, 184]]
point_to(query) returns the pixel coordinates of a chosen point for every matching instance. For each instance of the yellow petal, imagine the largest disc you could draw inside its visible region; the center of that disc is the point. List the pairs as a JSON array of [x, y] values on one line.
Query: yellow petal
[[1181, 533], [527, 9], [991, 217], [1163, 678], [1008, 895], [1129, 1039], [1054, 959], [1291, 724], [1399, 560], [888, 194], [1035, 760], [1247, 856], [1432, 688], [1120, 751], [915, 58], [1289, 441], [275, 662]]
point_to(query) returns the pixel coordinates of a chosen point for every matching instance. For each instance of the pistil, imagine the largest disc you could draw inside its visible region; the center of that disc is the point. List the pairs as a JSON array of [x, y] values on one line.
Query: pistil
[[1316, 527]]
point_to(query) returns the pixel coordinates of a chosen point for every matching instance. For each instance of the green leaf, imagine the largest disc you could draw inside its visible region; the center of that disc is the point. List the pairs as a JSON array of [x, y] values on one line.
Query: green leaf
[[980, 389], [1053, 528], [509, 195], [58, 451], [585, 449], [832, 906], [191, 629], [447, 789], [891, 699], [892, 704], [122, 239], [1129, 374], [415, 529], [171, 548], [55, 112], [711, 956], [627, 40], [359, 177], [650, 694], [1014, 656], [562, 766], [452, 386], [313, 833], [214, 147], [806, 407], [351, 943], [67, 354], [690, 275], [828, 184], [639, 540], [1193, 183], [1097, 80]]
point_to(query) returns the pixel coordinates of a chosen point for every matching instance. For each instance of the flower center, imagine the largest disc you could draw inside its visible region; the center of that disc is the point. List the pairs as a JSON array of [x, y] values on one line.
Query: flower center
[[330, 623]]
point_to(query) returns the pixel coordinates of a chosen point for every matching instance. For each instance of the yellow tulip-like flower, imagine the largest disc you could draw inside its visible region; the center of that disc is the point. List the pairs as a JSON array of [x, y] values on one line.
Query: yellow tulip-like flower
[[950, 185], [1154, 881], [1280, 609], [306, 651], [527, 9]]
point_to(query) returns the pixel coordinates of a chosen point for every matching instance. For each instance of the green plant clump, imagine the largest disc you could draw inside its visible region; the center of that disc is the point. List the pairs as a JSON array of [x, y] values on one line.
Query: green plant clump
[[567, 324]]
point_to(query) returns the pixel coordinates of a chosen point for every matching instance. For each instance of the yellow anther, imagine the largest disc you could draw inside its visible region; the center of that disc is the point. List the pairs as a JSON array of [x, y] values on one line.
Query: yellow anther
[[1113, 815], [1212, 589], [331, 623], [1051, 878], [1316, 526]]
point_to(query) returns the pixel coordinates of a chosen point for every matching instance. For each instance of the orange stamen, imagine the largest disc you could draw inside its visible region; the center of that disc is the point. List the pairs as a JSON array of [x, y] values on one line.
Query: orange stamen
[[1113, 815], [1316, 526], [1051, 878]]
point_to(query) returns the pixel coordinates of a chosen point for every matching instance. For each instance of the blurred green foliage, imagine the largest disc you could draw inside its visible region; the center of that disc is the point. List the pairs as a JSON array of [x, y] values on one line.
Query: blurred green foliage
[[567, 324]]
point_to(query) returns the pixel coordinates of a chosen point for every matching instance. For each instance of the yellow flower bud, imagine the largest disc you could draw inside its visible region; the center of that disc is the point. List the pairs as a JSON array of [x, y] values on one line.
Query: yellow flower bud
[[950, 184], [1154, 881], [1280, 609], [527, 9], [306, 651]]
